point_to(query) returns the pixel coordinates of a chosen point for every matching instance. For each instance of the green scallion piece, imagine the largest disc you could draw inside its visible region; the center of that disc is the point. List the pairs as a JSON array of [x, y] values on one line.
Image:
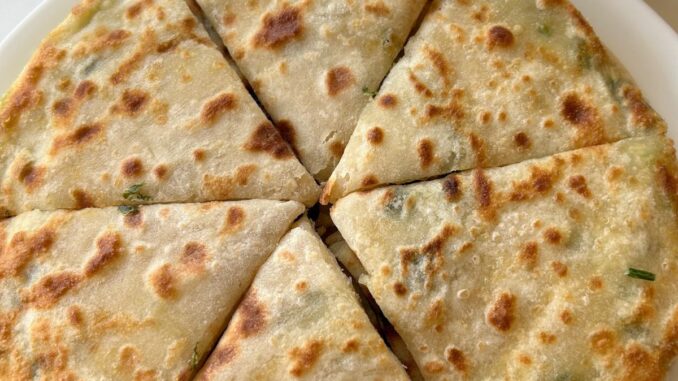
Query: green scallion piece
[[133, 193], [640, 274], [128, 209]]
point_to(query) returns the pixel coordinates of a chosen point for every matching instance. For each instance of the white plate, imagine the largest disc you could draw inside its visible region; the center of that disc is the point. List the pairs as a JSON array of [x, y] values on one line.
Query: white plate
[[646, 45]]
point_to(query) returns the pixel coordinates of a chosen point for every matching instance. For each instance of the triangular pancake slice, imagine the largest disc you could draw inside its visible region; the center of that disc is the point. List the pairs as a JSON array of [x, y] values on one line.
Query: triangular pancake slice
[[301, 319], [352, 264], [535, 271], [95, 294], [488, 83], [129, 92], [311, 63]]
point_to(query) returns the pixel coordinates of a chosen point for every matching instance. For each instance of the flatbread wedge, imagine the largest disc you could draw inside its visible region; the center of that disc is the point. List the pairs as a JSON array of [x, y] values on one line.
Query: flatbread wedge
[[95, 294], [312, 62], [128, 92], [533, 271], [489, 83], [352, 264], [301, 319]]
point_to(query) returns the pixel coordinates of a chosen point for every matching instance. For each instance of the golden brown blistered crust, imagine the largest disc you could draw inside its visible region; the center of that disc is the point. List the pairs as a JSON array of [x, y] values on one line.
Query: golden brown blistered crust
[[62, 271], [312, 64], [143, 69], [301, 318], [488, 84], [540, 288]]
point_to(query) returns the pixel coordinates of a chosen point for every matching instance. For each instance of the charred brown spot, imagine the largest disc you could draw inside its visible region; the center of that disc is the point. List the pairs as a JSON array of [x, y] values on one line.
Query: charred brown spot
[[188, 24], [547, 338], [603, 341], [584, 118], [267, 139], [436, 244], [369, 180], [559, 268], [252, 315], [85, 89], [221, 357], [337, 149], [375, 135], [217, 106], [339, 79], [399, 289], [145, 375], [351, 345], [126, 69], [553, 236], [452, 111], [132, 167], [134, 11], [112, 39], [378, 8], [529, 254], [133, 101], [108, 249], [229, 18], [388, 101], [134, 219], [128, 358], [452, 188], [234, 218], [521, 140], [279, 28], [168, 45], [63, 107], [480, 13], [457, 358], [22, 248], [641, 113], [287, 131], [419, 86], [578, 184], [82, 135], [301, 286], [566, 317], [575, 111], [500, 37], [595, 283], [74, 316], [425, 151], [500, 315], [434, 367], [31, 176], [478, 147], [199, 154], [540, 182], [483, 190], [164, 281], [194, 255], [668, 181], [48, 290], [221, 186], [524, 359], [304, 358], [160, 171]]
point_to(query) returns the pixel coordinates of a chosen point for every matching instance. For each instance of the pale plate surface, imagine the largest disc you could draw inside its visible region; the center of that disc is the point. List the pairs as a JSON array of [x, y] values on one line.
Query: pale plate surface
[[646, 45]]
